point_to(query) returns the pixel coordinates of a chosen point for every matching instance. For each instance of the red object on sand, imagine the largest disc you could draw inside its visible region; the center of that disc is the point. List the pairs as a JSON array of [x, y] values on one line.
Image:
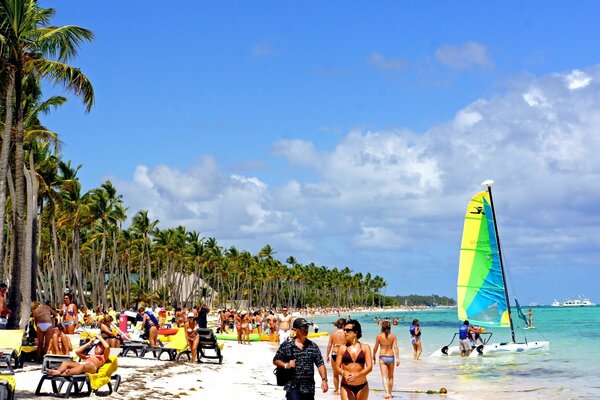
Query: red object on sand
[[123, 322], [167, 332]]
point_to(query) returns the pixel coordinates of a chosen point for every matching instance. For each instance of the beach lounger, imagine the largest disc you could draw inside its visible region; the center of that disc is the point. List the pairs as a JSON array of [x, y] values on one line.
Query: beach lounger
[[83, 384], [208, 341], [174, 348], [53, 361], [7, 378], [134, 347], [11, 342]]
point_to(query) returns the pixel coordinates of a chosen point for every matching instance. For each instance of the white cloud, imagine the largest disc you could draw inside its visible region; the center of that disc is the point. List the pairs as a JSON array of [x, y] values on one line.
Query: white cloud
[[577, 79], [382, 63], [469, 55], [404, 193]]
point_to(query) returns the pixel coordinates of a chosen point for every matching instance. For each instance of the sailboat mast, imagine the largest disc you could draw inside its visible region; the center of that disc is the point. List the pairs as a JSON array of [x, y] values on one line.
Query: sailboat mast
[[512, 328]]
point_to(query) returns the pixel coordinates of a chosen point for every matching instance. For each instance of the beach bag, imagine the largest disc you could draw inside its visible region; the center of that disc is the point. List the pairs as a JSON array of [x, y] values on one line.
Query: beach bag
[[283, 375]]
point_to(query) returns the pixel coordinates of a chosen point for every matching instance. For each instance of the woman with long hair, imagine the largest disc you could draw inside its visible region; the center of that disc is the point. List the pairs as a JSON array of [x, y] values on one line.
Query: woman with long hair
[[354, 362], [69, 314], [59, 343], [388, 356], [106, 331], [415, 333], [90, 363], [337, 338]]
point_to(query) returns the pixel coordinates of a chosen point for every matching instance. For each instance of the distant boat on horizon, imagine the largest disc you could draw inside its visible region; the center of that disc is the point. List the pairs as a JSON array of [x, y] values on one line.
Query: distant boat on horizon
[[581, 302]]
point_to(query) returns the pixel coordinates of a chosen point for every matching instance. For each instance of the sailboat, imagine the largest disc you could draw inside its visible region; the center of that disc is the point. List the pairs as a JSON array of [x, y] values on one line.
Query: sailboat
[[482, 292]]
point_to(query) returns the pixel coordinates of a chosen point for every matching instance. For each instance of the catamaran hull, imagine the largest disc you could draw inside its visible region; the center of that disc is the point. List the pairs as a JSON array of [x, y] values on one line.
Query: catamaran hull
[[496, 349]]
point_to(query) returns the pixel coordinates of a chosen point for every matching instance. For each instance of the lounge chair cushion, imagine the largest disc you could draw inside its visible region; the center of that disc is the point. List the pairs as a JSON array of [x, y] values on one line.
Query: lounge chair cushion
[[102, 377]]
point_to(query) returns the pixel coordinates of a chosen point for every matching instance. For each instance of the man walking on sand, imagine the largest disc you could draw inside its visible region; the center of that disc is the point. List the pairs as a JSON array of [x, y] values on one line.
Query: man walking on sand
[[285, 323], [301, 355]]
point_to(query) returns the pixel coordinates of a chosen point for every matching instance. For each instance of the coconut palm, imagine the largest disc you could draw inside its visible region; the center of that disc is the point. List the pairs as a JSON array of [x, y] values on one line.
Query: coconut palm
[[30, 46]]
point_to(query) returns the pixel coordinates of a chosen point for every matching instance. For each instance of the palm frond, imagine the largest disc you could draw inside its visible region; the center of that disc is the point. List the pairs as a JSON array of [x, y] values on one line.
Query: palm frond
[[62, 42], [70, 77]]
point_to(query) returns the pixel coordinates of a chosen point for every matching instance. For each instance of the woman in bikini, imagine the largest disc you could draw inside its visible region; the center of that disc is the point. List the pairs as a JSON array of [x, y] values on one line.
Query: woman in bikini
[[90, 363], [415, 333], [44, 318], [69, 314], [59, 343], [150, 324], [387, 357], [246, 328], [354, 362], [337, 338], [192, 336], [106, 331]]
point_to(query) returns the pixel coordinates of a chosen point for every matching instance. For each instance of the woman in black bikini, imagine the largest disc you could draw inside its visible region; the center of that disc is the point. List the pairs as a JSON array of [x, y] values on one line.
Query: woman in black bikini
[[354, 363]]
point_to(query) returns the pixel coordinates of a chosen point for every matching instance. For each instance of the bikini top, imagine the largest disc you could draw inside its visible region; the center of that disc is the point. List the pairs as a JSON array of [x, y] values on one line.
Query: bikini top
[[360, 358], [67, 311], [98, 357]]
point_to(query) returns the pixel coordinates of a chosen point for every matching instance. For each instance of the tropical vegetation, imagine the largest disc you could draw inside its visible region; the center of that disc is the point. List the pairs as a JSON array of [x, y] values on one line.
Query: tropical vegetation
[[55, 235]]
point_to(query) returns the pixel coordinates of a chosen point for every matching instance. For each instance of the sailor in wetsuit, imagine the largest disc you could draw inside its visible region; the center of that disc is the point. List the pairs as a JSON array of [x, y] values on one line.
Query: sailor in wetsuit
[[354, 363]]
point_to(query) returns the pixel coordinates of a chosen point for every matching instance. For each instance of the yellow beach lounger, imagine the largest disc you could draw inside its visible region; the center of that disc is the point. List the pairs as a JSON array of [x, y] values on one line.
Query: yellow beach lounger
[[11, 341], [84, 384], [175, 348], [7, 378]]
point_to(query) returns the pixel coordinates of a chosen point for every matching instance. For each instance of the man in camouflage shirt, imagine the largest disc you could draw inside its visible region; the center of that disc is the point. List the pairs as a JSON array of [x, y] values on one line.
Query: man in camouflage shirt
[[302, 355]]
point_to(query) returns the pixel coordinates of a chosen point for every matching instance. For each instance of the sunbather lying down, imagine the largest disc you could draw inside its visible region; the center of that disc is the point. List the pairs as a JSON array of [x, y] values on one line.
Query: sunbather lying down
[[89, 363]]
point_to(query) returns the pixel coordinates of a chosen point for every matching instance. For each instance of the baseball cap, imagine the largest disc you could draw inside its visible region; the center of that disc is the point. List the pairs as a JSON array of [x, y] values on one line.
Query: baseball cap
[[300, 323]]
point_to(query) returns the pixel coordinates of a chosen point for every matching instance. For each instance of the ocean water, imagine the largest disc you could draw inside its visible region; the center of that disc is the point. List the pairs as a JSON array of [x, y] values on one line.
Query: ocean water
[[570, 370]]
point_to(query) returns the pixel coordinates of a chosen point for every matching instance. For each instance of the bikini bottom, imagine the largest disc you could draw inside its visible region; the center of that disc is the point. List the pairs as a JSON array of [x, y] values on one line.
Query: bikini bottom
[[354, 388], [387, 360], [44, 326]]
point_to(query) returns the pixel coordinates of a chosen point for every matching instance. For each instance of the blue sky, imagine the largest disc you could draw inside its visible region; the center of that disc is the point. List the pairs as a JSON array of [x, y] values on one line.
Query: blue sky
[[352, 134]]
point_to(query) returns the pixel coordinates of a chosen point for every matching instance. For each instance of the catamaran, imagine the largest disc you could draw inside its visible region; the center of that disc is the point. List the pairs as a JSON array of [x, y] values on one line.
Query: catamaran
[[482, 292]]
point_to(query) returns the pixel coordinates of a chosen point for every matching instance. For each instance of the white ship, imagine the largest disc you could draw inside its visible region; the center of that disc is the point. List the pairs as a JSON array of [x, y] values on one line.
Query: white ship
[[555, 303], [585, 302]]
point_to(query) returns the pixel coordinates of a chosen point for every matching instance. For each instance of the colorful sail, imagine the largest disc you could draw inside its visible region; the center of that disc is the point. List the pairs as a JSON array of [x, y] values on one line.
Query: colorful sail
[[481, 294]]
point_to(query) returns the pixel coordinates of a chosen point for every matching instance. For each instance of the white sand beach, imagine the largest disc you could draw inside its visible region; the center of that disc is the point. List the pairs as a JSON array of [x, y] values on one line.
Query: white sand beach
[[246, 373]]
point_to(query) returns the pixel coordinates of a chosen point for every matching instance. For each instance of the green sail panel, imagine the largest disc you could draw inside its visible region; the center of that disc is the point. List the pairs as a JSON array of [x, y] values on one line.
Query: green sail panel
[[480, 288]]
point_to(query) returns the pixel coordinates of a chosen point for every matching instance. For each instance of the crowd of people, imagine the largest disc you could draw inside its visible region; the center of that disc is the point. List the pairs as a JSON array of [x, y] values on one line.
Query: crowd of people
[[351, 360]]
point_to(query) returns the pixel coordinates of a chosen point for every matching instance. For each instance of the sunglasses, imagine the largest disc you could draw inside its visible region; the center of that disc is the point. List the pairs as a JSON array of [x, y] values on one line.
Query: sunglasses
[[348, 330]]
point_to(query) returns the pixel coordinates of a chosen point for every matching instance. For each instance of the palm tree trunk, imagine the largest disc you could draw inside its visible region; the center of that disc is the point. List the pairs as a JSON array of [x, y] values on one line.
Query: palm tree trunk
[[4, 157], [30, 225]]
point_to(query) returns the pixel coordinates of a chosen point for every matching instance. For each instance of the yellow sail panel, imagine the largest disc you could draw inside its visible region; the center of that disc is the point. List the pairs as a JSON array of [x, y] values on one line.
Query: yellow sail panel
[[480, 287]]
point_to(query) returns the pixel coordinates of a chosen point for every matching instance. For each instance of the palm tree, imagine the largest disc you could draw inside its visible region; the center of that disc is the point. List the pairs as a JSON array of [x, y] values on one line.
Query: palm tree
[[29, 45], [142, 225]]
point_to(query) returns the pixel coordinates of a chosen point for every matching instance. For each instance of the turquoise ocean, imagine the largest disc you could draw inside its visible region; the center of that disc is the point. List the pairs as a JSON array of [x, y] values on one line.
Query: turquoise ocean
[[570, 370]]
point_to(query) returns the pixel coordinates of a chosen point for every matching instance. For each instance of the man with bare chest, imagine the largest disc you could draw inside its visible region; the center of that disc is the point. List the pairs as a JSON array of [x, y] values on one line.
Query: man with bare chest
[[285, 325]]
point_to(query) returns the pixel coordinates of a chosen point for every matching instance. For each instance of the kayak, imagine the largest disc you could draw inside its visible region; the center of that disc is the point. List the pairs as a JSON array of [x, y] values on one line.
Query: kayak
[[233, 336]]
